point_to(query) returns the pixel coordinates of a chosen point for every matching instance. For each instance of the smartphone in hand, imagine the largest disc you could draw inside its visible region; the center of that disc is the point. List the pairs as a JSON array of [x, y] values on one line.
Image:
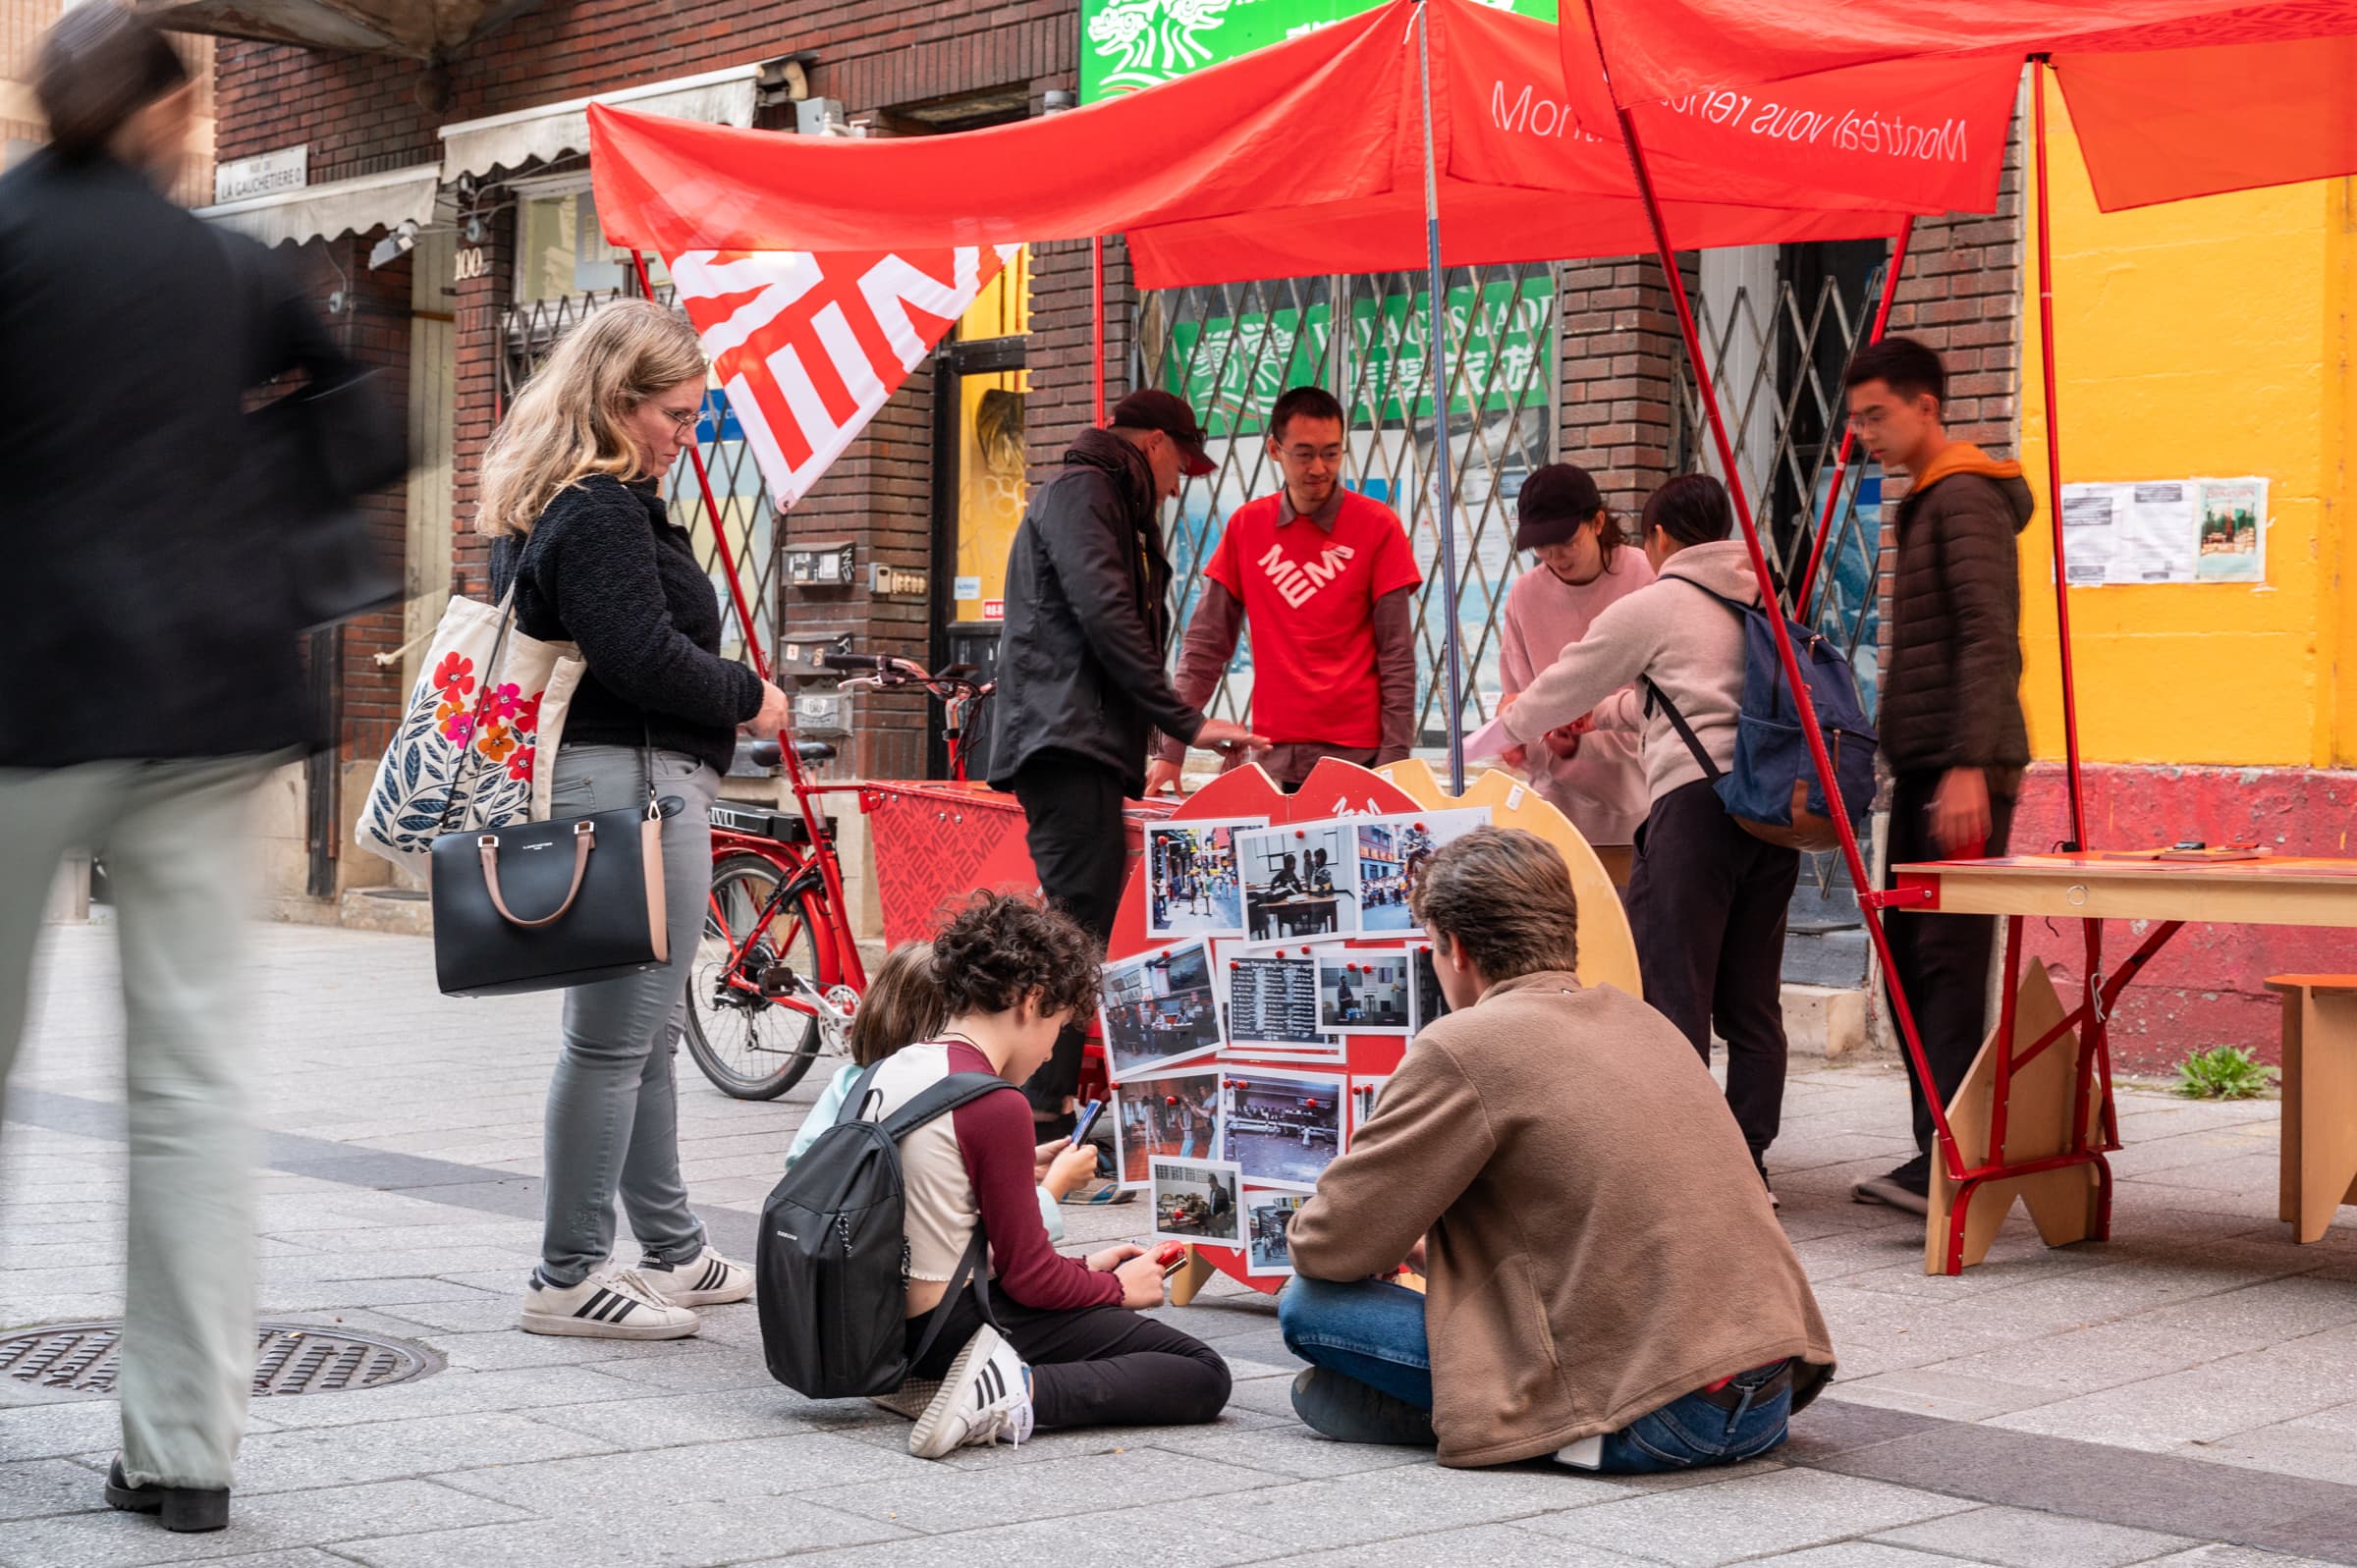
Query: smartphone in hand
[[1087, 1120]]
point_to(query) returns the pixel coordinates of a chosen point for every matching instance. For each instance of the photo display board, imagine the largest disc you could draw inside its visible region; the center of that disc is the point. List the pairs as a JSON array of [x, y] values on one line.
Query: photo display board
[[1266, 977]]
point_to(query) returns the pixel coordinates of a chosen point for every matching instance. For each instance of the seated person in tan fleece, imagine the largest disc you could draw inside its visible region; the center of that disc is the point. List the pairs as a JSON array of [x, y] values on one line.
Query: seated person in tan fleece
[[1555, 1160]]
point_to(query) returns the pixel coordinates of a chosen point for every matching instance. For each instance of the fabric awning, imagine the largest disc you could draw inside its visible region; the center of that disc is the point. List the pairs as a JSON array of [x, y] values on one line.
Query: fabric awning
[[337, 208], [1210, 176], [723, 97], [2169, 98]]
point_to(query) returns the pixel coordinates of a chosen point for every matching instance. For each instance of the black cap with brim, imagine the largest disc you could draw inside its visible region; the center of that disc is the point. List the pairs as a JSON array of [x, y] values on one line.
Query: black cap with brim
[[1555, 501], [1168, 412]]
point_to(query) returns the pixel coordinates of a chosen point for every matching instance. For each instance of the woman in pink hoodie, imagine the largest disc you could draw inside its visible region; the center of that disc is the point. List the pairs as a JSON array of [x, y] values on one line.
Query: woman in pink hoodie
[[1706, 899], [1592, 778]]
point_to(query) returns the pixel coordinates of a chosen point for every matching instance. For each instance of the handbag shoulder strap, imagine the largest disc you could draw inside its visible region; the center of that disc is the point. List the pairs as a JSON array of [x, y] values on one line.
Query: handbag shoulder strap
[[468, 752]]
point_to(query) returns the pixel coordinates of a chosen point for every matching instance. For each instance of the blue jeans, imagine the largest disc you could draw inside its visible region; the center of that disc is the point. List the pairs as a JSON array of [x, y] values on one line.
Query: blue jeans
[[1373, 1331]]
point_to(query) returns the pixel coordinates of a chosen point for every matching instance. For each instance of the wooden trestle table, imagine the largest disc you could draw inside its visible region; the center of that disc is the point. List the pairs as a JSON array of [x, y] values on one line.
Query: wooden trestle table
[[2034, 1118]]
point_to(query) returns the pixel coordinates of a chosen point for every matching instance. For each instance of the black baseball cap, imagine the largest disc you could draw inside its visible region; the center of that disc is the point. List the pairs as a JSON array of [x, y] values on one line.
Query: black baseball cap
[[1168, 412], [1555, 501]]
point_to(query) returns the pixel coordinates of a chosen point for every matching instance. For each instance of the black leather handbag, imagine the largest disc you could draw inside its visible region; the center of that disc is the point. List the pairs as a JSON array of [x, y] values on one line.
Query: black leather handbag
[[540, 905]]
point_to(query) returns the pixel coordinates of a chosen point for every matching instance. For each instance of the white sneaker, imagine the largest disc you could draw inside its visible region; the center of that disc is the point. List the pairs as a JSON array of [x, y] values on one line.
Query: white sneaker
[[705, 1280], [611, 1304], [984, 1399]]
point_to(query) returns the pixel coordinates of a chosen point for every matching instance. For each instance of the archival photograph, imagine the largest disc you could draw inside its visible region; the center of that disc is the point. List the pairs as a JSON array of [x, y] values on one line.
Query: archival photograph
[[1157, 1008], [1281, 1126], [1298, 881]]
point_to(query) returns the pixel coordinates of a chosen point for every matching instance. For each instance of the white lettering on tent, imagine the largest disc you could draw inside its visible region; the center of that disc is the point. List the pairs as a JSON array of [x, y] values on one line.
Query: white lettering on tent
[[1844, 129], [1533, 116]]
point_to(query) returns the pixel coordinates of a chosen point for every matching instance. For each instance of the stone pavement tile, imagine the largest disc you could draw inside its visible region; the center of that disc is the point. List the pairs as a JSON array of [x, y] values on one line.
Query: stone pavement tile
[[940, 1498], [51, 1428], [1937, 1391], [385, 1451], [2222, 1556], [759, 1467], [26, 1310], [468, 1311], [2018, 1538], [2201, 1404], [1748, 1516], [2092, 1481], [327, 1295], [457, 1393], [489, 1232], [721, 1369], [505, 1349], [392, 1263], [31, 1487], [588, 1533], [1377, 1506], [2282, 1450], [104, 1539], [1491, 1546], [1287, 1450], [1857, 1554], [1123, 1538], [651, 1420]]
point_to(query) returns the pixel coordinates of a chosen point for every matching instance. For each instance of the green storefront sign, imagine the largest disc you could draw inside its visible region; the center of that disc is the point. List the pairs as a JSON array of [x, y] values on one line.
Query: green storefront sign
[[1128, 44], [1230, 369]]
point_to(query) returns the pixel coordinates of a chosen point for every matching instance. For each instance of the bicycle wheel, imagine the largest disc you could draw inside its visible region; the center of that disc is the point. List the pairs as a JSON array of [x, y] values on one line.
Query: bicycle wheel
[[753, 1046]]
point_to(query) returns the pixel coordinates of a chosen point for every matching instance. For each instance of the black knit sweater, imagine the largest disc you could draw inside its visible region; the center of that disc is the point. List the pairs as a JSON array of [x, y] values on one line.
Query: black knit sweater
[[605, 570]]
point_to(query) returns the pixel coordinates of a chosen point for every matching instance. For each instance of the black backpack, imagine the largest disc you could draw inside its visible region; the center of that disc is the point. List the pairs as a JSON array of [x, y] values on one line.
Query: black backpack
[[832, 1264]]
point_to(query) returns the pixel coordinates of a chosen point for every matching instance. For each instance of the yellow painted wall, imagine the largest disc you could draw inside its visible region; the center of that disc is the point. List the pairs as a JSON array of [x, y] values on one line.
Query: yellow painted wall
[[2206, 338]]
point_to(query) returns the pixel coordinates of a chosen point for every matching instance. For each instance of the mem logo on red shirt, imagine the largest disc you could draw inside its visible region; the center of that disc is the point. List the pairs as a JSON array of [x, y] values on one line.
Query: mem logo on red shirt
[[1309, 602]]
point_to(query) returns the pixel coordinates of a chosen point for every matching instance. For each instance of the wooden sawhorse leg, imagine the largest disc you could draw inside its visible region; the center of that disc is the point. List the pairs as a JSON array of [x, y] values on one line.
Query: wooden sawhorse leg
[[2069, 1199], [2320, 1099]]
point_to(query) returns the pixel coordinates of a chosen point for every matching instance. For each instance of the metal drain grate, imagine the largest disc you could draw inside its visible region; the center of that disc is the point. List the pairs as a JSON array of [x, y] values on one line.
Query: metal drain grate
[[291, 1359]]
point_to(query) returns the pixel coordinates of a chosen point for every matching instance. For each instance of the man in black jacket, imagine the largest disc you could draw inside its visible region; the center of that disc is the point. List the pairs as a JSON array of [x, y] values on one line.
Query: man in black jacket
[[1951, 724], [1082, 684]]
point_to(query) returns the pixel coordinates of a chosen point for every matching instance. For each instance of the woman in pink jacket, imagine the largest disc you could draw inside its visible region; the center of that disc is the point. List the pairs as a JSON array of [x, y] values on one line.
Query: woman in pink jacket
[[1591, 777]]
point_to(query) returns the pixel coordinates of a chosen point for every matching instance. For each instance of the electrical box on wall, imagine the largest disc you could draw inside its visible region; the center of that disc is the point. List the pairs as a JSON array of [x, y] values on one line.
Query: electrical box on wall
[[808, 660], [820, 565], [822, 713]]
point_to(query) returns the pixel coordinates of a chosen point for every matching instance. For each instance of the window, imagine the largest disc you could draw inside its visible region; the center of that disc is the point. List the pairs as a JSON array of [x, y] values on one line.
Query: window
[[560, 249]]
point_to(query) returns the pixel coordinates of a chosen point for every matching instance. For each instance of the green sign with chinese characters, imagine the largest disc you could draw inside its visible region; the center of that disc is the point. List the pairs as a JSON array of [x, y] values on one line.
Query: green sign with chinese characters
[[1231, 370], [1128, 44]]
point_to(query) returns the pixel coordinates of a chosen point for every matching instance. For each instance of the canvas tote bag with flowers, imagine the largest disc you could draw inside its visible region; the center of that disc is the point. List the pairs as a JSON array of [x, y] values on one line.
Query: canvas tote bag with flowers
[[489, 708]]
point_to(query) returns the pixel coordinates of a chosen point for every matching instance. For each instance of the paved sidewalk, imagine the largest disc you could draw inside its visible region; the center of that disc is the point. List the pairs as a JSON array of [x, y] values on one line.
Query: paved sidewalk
[[2185, 1394]]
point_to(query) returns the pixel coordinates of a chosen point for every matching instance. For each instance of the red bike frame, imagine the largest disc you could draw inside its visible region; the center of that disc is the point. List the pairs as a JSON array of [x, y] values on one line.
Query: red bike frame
[[838, 936]]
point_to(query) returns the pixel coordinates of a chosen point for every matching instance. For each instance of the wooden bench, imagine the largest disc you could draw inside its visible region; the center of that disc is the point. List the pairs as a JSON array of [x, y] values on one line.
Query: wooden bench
[[2320, 1099]]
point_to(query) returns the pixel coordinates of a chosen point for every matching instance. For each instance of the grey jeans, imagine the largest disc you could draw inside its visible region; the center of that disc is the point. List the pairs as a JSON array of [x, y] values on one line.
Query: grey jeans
[[174, 836], [613, 1121]]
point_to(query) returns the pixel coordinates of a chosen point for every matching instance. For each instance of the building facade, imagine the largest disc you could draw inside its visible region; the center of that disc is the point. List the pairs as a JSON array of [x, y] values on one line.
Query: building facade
[[464, 237]]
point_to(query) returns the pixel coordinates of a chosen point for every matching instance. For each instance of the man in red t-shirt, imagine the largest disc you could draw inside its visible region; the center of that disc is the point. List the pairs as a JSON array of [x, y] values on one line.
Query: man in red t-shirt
[[1325, 581]]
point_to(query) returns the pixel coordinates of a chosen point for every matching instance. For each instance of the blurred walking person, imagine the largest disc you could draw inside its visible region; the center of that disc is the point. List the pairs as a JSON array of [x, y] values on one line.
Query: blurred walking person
[[149, 624]]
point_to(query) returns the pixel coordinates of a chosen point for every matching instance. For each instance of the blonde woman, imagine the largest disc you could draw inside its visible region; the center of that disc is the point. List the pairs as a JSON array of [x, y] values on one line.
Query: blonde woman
[[579, 532]]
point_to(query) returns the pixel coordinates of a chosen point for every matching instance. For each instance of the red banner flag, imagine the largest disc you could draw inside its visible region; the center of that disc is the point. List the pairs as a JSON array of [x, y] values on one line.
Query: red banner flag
[[808, 344]]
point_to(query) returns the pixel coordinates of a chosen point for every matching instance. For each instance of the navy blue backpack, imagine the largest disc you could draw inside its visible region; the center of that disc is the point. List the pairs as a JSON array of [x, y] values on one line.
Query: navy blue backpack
[[1773, 790]]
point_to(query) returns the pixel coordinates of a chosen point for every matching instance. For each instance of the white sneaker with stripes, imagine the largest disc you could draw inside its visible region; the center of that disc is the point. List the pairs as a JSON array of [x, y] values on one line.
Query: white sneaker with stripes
[[611, 1304], [986, 1398], [705, 1280]]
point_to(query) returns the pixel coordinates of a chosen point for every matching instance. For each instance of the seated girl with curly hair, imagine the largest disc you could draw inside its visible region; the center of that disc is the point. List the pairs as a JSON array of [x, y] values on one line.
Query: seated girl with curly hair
[[1066, 1349]]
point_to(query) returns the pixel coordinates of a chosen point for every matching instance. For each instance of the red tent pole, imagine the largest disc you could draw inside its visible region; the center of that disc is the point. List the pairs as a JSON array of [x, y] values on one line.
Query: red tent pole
[[1096, 296], [719, 535], [1904, 1015], [1832, 498], [2053, 463]]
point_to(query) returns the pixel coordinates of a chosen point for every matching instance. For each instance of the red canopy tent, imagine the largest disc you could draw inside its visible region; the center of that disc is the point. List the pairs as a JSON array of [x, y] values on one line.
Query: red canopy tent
[[1418, 136], [2160, 94]]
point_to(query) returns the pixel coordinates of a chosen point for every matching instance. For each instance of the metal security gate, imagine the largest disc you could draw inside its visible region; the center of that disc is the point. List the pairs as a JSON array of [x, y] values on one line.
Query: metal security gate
[[1778, 357], [527, 332], [1230, 349]]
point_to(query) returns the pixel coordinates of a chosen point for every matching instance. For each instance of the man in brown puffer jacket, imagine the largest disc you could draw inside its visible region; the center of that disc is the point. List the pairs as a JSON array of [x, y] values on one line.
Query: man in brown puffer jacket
[[1950, 720]]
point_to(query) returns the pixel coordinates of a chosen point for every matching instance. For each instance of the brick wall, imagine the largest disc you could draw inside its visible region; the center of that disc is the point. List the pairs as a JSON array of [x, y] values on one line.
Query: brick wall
[[1619, 342], [1062, 398]]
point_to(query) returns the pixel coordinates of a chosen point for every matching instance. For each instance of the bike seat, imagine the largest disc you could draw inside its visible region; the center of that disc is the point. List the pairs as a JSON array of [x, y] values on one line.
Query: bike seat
[[766, 753], [813, 750]]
